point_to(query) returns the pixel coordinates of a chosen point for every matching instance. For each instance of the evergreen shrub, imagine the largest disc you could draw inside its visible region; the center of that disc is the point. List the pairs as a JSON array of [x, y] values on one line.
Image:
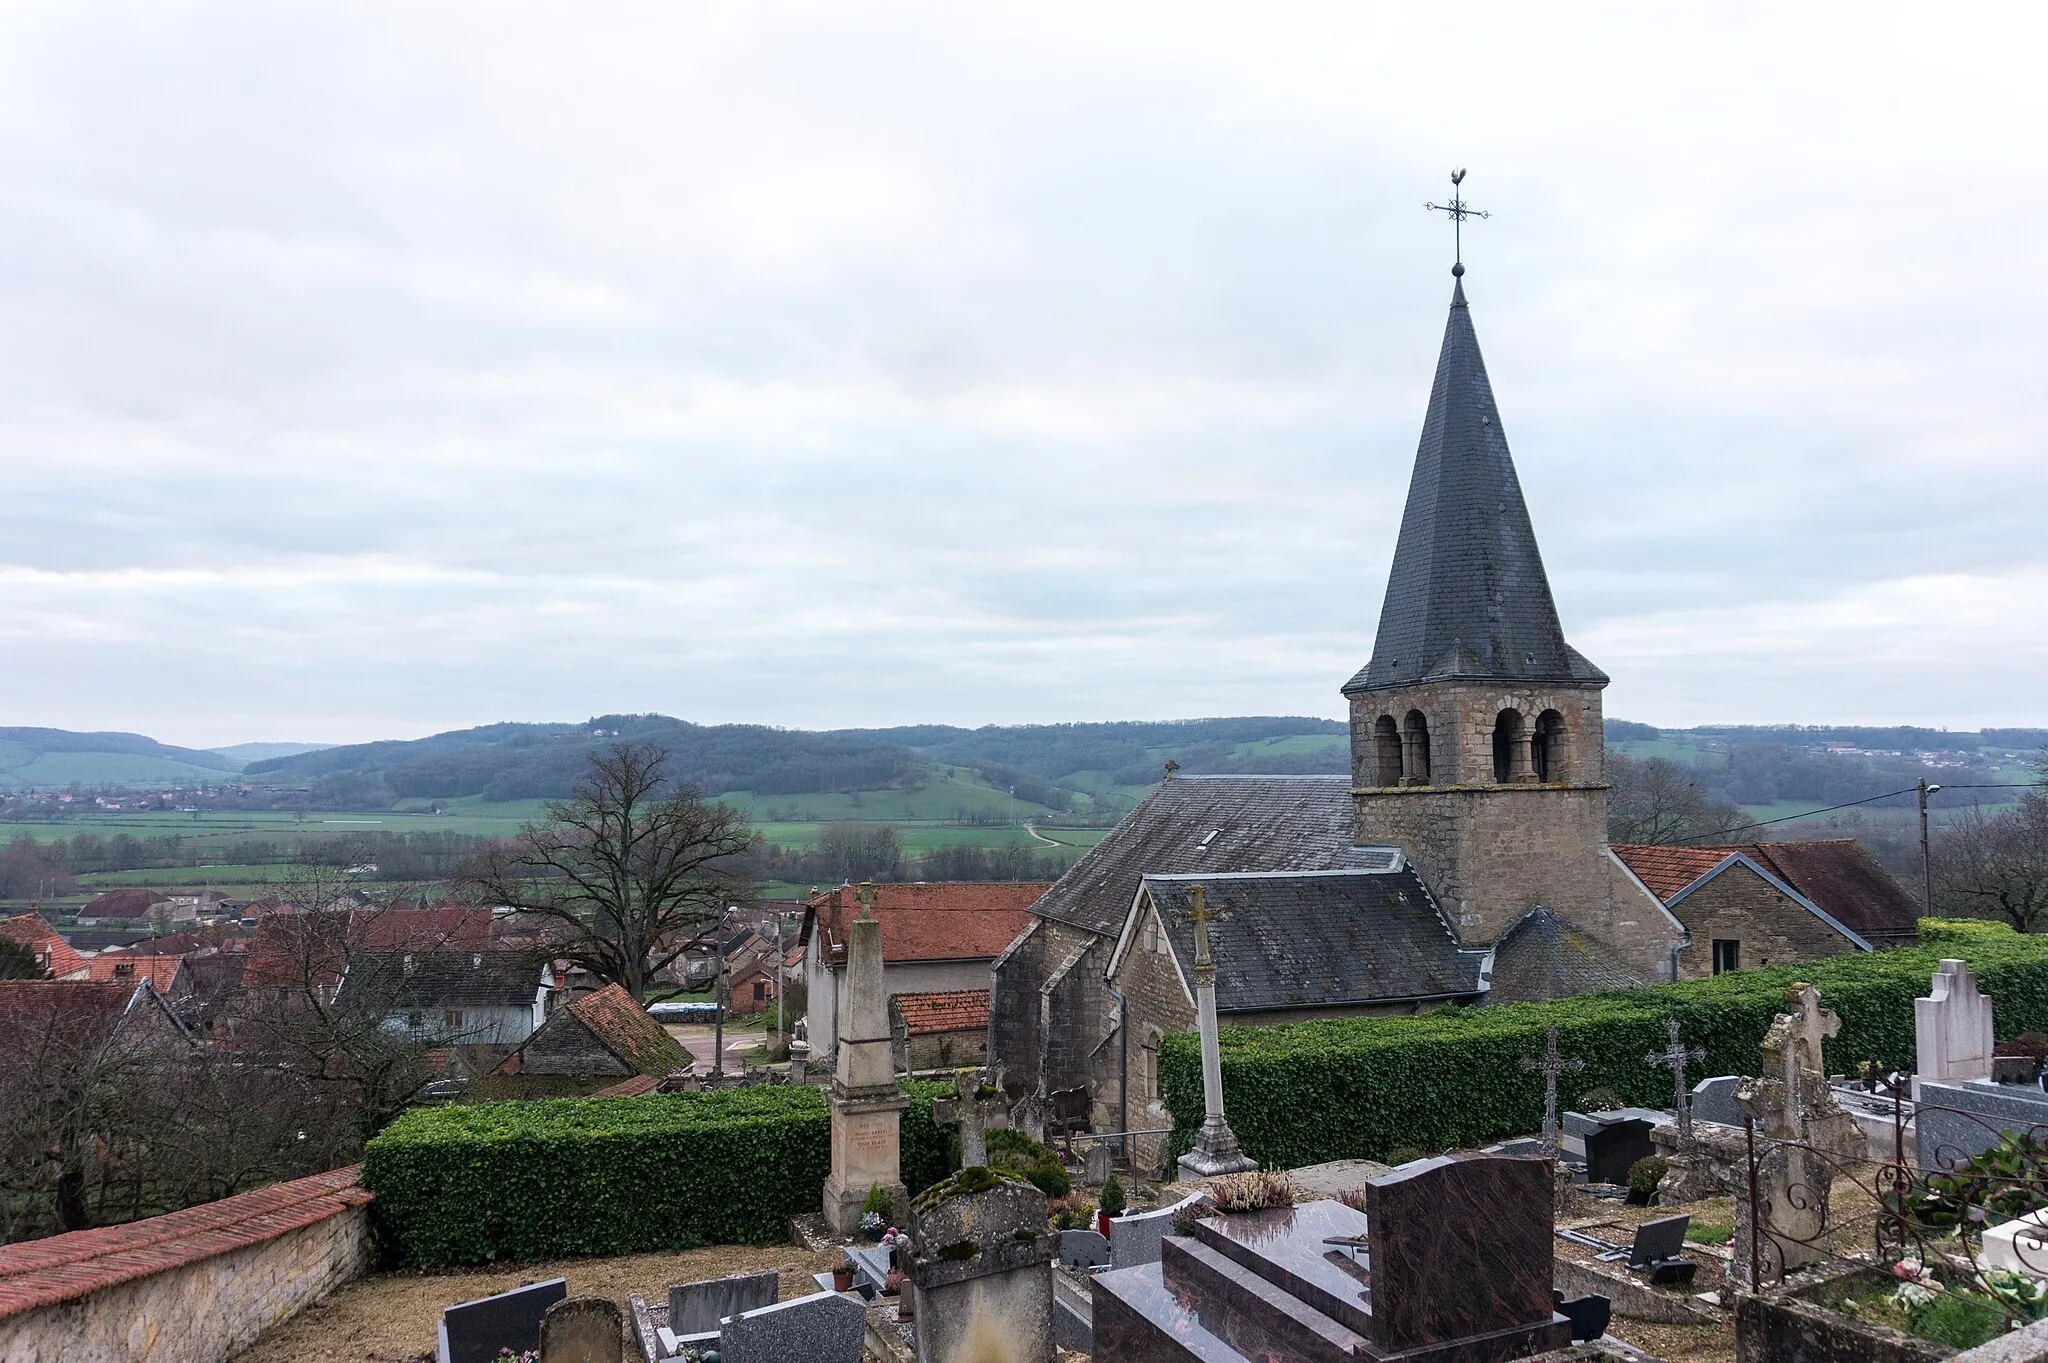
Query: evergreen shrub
[[1360, 1088], [523, 1181]]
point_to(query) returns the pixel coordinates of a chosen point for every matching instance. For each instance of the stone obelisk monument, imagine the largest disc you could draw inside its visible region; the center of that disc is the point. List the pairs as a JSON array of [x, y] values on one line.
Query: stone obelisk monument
[[1215, 1149], [867, 1106]]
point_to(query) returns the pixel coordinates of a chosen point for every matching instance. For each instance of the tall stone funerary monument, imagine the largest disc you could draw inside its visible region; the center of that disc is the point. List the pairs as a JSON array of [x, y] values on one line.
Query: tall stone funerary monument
[[1476, 740]]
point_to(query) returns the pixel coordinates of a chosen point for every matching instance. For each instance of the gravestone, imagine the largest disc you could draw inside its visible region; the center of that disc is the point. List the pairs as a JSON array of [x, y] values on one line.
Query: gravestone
[[1082, 1250], [1215, 1150], [1674, 1057], [1134, 1238], [824, 1327], [1785, 1227], [1956, 1122], [1952, 1028], [1713, 1100], [982, 1265], [476, 1331], [1550, 1065], [698, 1308], [867, 1105], [975, 1102], [1451, 1261], [582, 1330], [1609, 1143], [1099, 1164]]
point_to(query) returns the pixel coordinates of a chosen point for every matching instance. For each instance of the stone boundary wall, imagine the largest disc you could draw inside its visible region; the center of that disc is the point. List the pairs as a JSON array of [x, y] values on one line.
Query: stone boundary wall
[[195, 1286]]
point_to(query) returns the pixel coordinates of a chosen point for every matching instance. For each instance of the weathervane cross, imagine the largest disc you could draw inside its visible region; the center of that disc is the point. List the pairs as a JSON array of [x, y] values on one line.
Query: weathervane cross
[[1459, 210]]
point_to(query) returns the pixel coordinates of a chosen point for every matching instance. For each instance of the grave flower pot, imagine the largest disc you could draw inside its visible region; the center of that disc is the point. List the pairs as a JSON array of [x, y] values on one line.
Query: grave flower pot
[[842, 1278]]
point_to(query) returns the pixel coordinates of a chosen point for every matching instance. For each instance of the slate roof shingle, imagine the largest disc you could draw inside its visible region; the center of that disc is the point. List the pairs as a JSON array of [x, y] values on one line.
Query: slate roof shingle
[[443, 979], [1318, 939], [1542, 957], [1260, 823], [1467, 595], [951, 1010]]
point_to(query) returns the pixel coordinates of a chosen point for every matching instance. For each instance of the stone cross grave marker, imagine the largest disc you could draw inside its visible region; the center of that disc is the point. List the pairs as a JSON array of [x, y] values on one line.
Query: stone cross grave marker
[[971, 1112], [1216, 1150], [1673, 1057], [1952, 1028], [1551, 1065]]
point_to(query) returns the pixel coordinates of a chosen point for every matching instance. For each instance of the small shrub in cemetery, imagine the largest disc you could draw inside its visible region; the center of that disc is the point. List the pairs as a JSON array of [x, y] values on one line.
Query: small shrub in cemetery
[[1600, 1100], [1405, 1154], [1072, 1212], [1644, 1176], [1362, 1088], [1011, 1149], [1113, 1200]]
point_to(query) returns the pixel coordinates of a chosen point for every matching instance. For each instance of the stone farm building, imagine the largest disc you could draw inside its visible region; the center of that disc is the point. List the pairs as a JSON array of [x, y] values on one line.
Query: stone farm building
[[937, 937], [602, 1033], [1465, 855]]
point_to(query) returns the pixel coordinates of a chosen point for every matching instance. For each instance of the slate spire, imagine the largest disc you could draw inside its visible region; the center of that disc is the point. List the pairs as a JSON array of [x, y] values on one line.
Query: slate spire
[[1467, 596]]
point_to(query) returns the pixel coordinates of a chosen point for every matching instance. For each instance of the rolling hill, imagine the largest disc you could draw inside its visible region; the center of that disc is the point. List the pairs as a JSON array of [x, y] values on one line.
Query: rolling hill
[[44, 759]]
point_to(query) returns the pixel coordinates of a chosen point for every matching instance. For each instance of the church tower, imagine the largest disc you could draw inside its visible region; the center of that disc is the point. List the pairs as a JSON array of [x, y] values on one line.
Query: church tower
[[1476, 739]]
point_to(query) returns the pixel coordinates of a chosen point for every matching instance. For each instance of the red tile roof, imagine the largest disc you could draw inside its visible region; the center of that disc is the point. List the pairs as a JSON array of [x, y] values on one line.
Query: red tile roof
[[957, 1010], [128, 968], [631, 1088], [628, 1032], [1837, 874], [39, 1007], [61, 1268], [933, 921], [54, 953], [1667, 870], [444, 929], [132, 902]]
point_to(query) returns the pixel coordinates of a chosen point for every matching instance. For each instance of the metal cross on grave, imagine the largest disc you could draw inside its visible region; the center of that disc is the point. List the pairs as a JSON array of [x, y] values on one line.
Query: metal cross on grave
[[1550, 1066], [971, 1111], [1673, 1058]]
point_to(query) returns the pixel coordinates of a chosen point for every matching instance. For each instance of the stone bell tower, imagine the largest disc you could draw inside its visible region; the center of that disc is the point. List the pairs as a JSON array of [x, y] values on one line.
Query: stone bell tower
[[1476, 739]]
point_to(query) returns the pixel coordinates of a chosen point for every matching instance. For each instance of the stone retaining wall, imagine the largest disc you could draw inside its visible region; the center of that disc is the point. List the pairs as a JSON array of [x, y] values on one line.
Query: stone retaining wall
[[192, 1287]]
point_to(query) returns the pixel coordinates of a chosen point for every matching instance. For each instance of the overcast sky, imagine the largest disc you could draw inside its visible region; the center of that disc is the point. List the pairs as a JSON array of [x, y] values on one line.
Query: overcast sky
[[374, 371]]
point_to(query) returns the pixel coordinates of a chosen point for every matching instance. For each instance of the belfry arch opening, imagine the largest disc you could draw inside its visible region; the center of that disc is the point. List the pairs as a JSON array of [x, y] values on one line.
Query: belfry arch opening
[[1415, 749], [1547, 750], [1510, 749], [1386, 747]]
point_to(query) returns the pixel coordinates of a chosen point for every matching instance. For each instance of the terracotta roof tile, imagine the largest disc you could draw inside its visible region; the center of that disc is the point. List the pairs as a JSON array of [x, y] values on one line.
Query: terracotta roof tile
[[1667, 870], [130, 902], [56, 955], [631, 1088], [956, 1010], [933, 921], [624, 1027], [64, 1268], [129, 968]]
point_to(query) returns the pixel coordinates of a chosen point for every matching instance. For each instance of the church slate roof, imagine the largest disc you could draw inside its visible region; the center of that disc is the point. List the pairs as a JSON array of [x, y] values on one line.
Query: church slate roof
[[1197, 824], [1467, 596], [1319, 939], [1543, 957]]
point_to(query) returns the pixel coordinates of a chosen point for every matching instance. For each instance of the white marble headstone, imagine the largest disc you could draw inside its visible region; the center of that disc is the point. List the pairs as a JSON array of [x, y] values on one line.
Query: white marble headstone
[[1952, 1028]]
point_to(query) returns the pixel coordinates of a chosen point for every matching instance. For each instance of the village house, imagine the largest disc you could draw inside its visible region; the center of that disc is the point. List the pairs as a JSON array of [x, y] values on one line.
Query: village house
[[478, 998], [1774, 902], [939, 1031], [937, 937], [600, 1035], [57, 957]]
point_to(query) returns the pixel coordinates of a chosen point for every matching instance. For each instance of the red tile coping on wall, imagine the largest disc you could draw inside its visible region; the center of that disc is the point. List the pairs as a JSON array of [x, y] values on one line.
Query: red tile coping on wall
[[630, 1088], [64, 1268]]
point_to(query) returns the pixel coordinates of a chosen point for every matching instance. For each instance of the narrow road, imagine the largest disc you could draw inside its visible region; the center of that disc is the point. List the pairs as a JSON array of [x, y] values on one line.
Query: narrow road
[[699, 1040]]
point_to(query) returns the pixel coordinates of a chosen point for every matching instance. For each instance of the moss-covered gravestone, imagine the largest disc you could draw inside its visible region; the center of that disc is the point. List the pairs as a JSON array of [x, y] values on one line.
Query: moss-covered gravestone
[[981, 1262]]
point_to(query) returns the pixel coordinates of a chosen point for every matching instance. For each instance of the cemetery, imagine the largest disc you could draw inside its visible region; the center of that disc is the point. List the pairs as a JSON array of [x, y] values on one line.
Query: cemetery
[[1623, 1180]]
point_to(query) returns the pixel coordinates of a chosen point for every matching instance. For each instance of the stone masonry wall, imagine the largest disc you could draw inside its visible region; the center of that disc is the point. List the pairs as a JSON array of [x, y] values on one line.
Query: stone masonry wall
[[1461, 717], [1491, 853], [197, 1286], [1740, 905], [1159, 1006]]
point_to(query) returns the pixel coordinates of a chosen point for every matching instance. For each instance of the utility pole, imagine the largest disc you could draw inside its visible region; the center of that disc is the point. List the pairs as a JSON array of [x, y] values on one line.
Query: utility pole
[[778, 977], [718, 1009], [1926, 862]]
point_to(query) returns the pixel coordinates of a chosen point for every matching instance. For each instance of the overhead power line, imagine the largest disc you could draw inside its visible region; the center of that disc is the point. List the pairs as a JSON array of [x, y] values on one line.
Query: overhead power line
[[1869, 799]]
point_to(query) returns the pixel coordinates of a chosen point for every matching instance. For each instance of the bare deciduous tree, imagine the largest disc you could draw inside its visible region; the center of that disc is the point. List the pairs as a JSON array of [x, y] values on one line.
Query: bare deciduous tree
[[1657, 801], [1996, 865], [629, 873]]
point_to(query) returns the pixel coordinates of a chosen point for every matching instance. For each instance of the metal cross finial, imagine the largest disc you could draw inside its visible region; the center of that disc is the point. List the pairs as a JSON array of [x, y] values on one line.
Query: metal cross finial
[[1459, 211], [1673, 1058], [1198, 909], [866, 895], [1550, 1066]]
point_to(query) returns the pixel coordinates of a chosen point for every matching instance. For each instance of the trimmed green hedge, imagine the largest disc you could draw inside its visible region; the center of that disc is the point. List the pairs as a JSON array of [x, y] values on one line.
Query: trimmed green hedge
[[1357, 1088], [544, 1180]]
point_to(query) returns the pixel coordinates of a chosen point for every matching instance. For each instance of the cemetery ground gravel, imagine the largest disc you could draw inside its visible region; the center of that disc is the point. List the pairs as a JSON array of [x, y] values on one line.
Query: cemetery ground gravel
[[391, 1317]]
